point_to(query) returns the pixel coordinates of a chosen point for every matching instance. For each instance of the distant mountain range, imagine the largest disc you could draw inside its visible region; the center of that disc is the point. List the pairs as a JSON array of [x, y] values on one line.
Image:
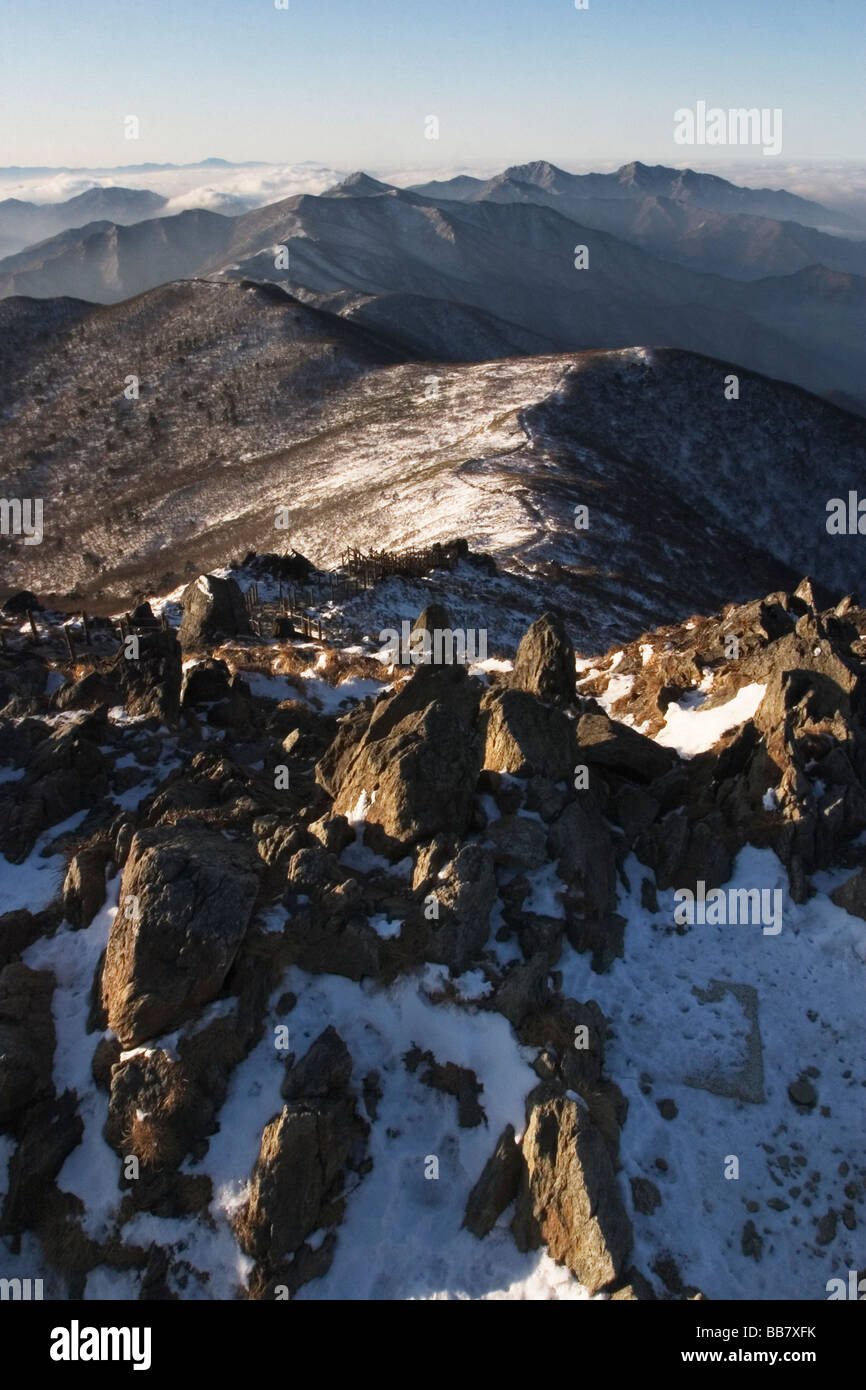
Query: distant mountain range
[[490, 271], [636, 181], [36, 170], [22, 224]]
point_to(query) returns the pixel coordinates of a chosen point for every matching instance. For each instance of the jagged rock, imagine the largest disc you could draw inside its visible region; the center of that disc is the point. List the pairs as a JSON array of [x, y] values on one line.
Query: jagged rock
[[157, 1112], [751, 1242], [101, 687], [431, 619], [569, 1197], [84, 885], [431, 858], [524, 991], [150, 681], [604, 743], [527, 738], [18, 738], [186, 899], [50, 1131], [205, 682], [143, 615], [303, 1151], [681, 853], [851, 895], [535, 932], [572, 1035], [518, 842], [544, 664], [637, 1289], [581, 843], [334, 832], [163, 1107], [603, 936], [105, 1055], [546, 797], [278, 842], [326, 1067], [289, 1275], [459, 1082], [66, 773], [805, 593], [417, 763], [465, 892], [332, 767], [26, 1036], [497, 1186], [20, 928], [212, 608]]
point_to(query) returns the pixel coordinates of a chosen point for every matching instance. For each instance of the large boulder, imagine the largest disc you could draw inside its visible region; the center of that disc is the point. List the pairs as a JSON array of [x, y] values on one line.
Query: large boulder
[[465, 891], [212, 608], [84, 885], [303, 1152], [186, 899], [610, 745], [415, 768], [527, 738], [569, 1198], [26, 1037], [544, 664], [205, 683], [66, 772], [497, 1186], [581, 843], [433, 618], [150, 675], [50, 1130], [163, 1106], [20, 928]]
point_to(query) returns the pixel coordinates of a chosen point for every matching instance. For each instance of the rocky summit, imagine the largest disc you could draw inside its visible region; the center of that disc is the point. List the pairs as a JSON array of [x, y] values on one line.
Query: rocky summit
[[547, 965], [432, 672]]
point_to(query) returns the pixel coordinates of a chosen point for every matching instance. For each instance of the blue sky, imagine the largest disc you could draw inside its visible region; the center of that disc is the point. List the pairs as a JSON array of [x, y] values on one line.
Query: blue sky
[[350, 82]]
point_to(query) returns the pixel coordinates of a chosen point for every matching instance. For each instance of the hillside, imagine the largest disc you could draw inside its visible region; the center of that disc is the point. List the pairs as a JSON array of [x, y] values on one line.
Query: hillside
[[251, 401]]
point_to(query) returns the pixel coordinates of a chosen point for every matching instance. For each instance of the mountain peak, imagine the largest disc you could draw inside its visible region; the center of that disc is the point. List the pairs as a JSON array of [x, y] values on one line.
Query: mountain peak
[[358, 185], [636, 172], [539, 172]]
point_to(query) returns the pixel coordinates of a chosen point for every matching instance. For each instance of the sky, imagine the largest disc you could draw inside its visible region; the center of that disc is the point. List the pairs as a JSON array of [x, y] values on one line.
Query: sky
[[351, 83]]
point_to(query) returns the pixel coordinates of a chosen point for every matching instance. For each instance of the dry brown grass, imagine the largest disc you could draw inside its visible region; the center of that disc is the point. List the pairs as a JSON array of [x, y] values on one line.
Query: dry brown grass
[[330, 664], [277, 659], [144, 1139], [339, 666]]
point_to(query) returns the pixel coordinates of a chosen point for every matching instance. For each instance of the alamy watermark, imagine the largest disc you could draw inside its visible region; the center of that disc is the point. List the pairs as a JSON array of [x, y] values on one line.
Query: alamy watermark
[[22, 516], [729, 907], [442, 646], [739, 125], [77, 1343], [20, 1290]]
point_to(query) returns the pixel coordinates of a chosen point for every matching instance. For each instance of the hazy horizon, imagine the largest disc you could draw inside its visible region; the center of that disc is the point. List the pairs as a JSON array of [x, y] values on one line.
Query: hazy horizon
[[237, 186], [355, 86]]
